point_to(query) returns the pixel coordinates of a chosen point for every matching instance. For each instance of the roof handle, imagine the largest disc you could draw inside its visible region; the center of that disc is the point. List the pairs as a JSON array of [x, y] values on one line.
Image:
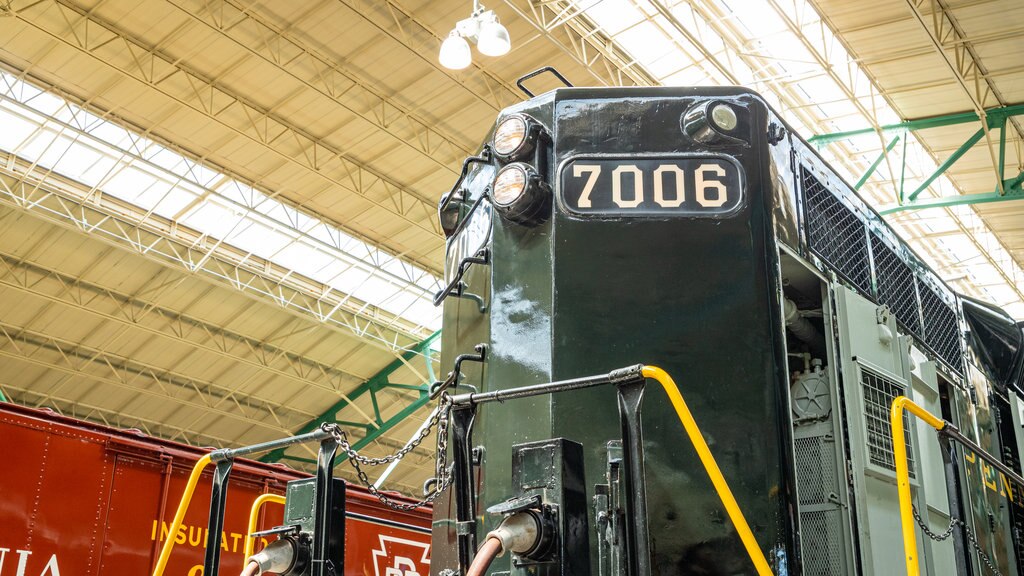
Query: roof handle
[[538, 72]]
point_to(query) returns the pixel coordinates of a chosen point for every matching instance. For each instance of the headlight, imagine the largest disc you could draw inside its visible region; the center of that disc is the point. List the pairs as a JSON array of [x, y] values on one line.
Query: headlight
[[516, 137], [712, 122], [520, 195]]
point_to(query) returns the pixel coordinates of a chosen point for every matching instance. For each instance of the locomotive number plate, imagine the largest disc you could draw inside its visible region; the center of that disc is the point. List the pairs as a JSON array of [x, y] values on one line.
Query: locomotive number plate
[[645, 186]]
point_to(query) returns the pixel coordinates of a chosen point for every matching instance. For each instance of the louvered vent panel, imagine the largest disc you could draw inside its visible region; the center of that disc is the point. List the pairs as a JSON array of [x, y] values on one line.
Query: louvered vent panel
[[896, 285], [834, 232], [940, 328]]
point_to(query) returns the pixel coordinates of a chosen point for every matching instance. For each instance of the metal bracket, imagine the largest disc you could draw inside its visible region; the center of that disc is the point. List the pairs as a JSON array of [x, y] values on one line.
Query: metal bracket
[[452, 381], [482, 256]]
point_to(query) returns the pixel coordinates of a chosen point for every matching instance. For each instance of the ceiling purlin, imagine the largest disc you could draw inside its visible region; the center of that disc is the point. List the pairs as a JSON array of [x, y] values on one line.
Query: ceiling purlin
[[169, 242], [423, 43], [141, 379], [564, 25], [318, 72], [133, 58]]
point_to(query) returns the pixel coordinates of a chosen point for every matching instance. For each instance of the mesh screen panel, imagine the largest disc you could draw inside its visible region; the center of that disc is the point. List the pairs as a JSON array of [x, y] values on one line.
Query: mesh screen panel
[[940, 328], [879, 392], [815, 462], [896, 285], [821, 534], [835, 232]]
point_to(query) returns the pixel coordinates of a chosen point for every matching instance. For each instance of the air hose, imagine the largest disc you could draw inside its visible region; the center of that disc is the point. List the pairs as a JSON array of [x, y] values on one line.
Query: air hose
[[486, 554], [520, 533]]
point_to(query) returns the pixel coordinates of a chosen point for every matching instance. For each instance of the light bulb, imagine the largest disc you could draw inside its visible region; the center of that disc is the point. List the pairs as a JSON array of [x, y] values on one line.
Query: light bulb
[[493, 39], [455, 53]]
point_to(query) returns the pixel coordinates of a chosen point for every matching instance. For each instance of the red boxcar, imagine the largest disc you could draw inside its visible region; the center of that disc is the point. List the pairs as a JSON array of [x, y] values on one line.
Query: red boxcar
[[80, 499]]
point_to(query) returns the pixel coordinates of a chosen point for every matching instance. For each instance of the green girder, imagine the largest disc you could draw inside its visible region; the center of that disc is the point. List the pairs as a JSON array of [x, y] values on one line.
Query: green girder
[[373, 385], [995, 118]]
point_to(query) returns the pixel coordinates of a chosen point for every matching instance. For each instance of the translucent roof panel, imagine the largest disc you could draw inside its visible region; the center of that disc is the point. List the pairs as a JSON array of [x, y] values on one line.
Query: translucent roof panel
[[73, 142]]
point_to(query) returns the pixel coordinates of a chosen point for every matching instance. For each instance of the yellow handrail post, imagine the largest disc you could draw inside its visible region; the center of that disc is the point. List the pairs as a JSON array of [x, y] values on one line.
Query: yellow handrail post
[[711, 467], [250, 542], [899, 449], [179, 516]]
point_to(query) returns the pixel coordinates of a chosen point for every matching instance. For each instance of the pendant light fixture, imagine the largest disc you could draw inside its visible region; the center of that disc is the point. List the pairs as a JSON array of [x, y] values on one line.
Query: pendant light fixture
[[483, 28]]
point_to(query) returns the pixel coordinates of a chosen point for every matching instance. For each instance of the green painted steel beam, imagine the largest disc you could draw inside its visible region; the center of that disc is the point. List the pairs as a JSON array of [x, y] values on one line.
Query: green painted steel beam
[[1012, 187], [967, 145], [994, 115], [874, 165], [394, 420], [374, 384]]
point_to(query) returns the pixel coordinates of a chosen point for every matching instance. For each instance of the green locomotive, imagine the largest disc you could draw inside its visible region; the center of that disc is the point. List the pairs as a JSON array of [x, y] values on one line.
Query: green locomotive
[[692, 229]]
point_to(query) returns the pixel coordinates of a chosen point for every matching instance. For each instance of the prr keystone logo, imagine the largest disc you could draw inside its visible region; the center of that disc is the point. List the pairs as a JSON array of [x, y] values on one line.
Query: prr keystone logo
[[400, 557]]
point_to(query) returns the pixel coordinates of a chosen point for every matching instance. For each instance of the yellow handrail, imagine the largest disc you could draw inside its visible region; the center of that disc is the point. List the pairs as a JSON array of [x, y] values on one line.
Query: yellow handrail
[[250, 542], [899, 449], [179, 516], [711, 467]]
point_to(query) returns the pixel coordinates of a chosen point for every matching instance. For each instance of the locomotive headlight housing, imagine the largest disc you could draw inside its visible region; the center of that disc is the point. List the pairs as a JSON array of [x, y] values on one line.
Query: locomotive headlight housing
[[516, 137], [714, 122], [521, 195]]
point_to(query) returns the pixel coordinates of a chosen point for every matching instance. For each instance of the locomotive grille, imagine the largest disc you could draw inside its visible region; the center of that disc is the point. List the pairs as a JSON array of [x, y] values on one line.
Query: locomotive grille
[[940, 328], [835, 232], [896, 285], [815, 461], [879, 392], [821, 533]]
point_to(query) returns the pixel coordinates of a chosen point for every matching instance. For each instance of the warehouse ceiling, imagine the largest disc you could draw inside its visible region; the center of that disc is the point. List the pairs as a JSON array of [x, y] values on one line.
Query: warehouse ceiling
[[217, 216]]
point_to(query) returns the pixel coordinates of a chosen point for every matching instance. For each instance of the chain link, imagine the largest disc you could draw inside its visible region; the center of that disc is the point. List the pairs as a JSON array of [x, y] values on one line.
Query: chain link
[[953, 523], [442, 472]]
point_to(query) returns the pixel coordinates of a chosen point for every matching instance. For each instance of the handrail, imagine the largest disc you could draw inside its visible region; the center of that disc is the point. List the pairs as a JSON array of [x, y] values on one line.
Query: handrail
[[899, 450], [626, 376], [945, 428], [250, 542], [321, 434], [179, 516], [711, 467]]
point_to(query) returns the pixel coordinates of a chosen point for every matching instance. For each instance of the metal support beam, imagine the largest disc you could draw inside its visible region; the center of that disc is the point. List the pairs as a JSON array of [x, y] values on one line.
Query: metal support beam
[[1011, 187], [994, 118], [874, 165], [88, 364], [378, 382], [317, 71], [567, 27], [148, 317], [70, 204], [237, 114], [993, 115], [947, 163], [397, 24]]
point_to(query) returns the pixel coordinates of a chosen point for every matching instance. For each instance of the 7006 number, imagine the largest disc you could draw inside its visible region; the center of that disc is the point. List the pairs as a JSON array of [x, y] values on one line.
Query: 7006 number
[[691, 186]]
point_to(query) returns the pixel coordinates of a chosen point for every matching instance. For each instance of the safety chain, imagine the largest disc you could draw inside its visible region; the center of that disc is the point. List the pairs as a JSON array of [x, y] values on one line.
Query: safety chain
[[442, 472], [953, 523]]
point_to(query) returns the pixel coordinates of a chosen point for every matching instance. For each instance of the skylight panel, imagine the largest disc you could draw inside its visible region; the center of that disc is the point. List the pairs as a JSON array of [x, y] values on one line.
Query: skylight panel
[[44, 129]]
